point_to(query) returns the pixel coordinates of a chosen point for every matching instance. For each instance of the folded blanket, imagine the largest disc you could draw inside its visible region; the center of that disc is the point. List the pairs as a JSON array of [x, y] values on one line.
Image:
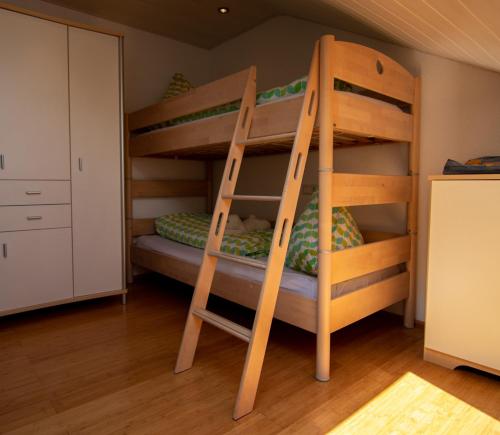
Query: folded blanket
[[481, 165], [192, 229]]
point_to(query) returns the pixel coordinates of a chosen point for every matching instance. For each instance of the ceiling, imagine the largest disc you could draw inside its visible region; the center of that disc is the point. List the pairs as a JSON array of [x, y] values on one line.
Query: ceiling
[[464, 30], [197, 22]]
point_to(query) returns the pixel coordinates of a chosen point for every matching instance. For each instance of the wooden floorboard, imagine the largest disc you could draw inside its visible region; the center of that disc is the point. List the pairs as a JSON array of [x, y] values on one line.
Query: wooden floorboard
[[98, 367]]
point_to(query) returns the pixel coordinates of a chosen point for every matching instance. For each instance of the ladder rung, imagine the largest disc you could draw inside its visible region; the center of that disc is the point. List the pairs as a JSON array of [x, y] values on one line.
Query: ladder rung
[[226, 325], [252, 197], [269, 139], [238, 259]]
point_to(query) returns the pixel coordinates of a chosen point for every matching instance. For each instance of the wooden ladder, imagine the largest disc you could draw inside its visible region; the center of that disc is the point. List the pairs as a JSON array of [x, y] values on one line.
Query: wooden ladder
[[258, 336]]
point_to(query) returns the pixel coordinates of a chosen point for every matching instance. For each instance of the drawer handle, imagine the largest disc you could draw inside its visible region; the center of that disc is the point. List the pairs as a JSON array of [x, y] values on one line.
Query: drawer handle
[[5, 250], [33, 192], [34, 218], [2, 161]]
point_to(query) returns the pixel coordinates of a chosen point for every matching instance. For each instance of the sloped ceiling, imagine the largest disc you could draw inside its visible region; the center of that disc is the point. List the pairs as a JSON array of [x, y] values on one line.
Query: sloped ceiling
[[198, 23], [464, 30]]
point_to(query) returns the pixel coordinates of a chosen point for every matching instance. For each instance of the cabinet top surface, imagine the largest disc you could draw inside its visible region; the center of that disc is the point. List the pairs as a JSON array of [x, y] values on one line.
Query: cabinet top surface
[[464, 177]]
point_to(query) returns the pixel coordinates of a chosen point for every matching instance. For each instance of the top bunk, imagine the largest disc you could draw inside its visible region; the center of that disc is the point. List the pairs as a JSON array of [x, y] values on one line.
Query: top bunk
[[371, 104]]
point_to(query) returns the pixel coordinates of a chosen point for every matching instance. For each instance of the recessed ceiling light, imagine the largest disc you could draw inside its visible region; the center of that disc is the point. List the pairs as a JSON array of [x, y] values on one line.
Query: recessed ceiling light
[[223, 10]]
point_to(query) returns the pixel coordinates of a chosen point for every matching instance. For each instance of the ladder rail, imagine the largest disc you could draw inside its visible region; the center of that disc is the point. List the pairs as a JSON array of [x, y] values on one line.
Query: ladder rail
[[216, 232], [270, 288]]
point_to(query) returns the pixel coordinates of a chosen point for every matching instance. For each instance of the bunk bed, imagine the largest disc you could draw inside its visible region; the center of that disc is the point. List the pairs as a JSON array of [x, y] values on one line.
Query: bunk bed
[[366, 278]]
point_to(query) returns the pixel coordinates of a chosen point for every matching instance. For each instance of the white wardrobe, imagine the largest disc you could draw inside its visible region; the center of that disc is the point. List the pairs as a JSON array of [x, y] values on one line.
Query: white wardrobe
[[61, 201]]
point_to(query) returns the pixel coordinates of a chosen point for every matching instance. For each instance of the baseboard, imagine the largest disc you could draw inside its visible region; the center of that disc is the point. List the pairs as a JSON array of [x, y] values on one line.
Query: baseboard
[[452, 362], [420, 323], [64, 302]]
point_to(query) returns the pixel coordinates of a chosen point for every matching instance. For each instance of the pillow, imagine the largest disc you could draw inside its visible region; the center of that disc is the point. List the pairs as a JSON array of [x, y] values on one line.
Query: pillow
[[253, 223], [177, 86], [296, 87], [302, 252]]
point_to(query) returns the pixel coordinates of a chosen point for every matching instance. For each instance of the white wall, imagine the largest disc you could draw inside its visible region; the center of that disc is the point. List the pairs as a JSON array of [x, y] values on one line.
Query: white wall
[[460, 116], [150, 60]]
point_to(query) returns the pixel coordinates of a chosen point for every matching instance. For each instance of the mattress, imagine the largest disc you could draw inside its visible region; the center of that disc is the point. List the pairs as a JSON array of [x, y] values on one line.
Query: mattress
[[293, 281]]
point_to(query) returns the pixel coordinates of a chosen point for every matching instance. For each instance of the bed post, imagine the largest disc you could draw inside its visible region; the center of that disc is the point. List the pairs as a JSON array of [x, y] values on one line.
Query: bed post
[[128, 204], [412, 212], [209, 175], [325, 207]]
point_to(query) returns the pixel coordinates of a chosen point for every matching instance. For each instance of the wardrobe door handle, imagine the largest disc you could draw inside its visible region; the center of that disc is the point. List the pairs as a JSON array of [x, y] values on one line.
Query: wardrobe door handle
[[80, 164], [2, 161], [34, 218], [4, 250]]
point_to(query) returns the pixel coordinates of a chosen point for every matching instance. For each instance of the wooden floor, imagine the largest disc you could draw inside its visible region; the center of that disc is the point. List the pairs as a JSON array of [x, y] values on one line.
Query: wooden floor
[[100, 367]]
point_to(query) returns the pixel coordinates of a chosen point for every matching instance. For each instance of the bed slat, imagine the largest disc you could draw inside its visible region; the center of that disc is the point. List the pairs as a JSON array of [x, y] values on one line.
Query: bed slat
[[358, 189], [143, 227], [372, 70], [168, 188], [369, 117], [216, 93], [361, 260], [371, 236], [354, 115], [269, 119], [292, 307], [368, 300]]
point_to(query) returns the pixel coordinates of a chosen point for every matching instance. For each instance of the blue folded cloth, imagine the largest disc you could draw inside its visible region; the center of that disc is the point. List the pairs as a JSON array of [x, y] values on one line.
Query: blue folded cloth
[[481, 165]]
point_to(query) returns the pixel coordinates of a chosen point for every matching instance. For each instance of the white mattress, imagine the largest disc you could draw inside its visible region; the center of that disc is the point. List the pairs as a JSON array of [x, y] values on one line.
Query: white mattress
[[296, 282]]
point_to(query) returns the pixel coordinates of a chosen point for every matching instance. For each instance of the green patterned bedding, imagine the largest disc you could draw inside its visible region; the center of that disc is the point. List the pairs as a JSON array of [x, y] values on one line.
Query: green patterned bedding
[[297, 87], [192, 229], [302, 252]]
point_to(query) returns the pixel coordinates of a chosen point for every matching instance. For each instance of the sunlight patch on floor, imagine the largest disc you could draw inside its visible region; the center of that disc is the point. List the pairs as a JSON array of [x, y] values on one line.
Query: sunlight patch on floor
[[413, 405]]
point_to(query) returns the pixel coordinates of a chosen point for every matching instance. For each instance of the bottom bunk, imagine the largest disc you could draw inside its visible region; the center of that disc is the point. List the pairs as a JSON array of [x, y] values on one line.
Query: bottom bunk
[[351, 300]]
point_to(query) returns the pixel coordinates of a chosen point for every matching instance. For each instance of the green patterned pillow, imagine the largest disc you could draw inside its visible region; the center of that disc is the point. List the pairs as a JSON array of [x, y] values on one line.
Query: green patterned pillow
[[178, 85], [302, 252], [294, 88]]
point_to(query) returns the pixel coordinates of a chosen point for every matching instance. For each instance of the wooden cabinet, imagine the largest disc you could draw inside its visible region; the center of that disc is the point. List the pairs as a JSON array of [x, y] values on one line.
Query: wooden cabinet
[[61, 213], [34, 128], [35, 267], [95, 166], [463, 287]]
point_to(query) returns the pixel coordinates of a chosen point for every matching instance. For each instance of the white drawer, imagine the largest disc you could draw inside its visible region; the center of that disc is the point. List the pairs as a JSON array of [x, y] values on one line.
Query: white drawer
[[31, 192], [35, 268], [34, 217]]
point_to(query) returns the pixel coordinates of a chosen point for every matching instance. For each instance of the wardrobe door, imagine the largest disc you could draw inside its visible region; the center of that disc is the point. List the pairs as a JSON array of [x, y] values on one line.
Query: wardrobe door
[[35, 268], [34, 127], [94, 77]]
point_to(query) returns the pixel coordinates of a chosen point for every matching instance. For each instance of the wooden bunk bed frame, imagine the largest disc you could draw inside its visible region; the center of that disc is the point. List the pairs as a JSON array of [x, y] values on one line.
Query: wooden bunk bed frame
[[344, 120]]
